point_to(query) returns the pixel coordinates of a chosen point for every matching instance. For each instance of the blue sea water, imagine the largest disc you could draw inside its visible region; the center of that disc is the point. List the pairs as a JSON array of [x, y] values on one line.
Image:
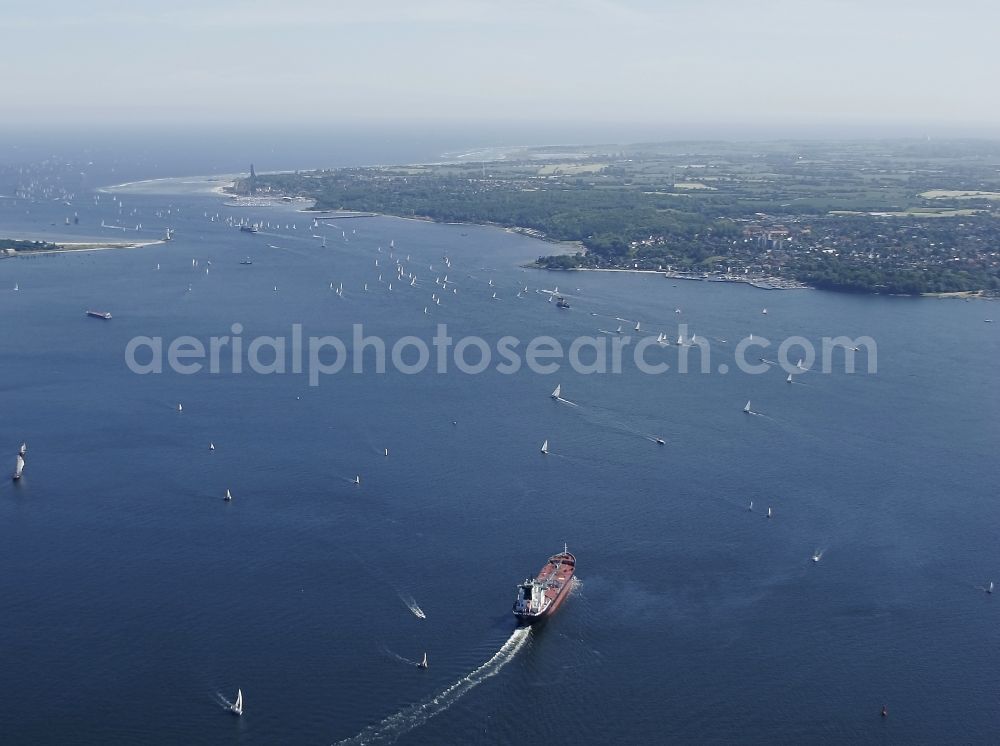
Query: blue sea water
[[135, 600]]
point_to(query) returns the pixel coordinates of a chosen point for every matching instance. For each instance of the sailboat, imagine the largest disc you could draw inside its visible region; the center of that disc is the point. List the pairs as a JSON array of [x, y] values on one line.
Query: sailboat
[[680, 340], [23, 449], [19, 468], [619, 329], [637, 326], [237, 707], [789, 379], [750, 507], [558, 391], [661, 441], [747, 409], [989, 588], [817, 555], [16, 286], [180, 407], [357, 479], [800, 365], [229, 496], [545, 447], [769, 511], [423, 663], [764, 311], [211, 446]]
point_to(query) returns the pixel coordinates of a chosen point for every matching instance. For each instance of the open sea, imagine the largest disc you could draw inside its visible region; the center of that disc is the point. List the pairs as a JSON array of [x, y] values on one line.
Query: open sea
[[134, 601]]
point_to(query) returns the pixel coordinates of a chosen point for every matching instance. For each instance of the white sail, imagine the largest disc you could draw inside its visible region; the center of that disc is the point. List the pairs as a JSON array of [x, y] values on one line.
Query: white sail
[[423, 663], [680, 340], [545, 447], [180, 408], [557, 392], [237, 706], [789, 379], [768, 511], [747, 407], [20, 466], [23, 449], [637, 326], [211, 446], [229, 496]]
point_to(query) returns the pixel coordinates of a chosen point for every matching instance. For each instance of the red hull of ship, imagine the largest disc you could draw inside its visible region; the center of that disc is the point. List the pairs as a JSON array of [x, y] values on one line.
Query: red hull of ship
[[563, 565]]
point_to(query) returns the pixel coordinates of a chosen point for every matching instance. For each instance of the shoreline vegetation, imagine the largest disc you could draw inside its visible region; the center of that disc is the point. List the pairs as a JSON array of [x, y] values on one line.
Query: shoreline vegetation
[[909, 217], [13, 247]]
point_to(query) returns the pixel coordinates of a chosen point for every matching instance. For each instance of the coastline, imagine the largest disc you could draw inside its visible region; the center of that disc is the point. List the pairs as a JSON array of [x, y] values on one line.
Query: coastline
[[761, 283], [74, 246]]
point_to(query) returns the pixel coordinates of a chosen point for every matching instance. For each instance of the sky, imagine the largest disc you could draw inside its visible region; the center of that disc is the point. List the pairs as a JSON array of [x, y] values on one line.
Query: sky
[[881, 64]]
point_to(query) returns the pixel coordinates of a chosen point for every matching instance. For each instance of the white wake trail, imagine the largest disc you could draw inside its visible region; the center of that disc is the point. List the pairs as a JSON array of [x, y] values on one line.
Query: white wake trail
[[394, 726]]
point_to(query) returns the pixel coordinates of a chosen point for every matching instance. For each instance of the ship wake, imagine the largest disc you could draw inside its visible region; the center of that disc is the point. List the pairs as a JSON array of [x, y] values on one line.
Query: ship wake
[[411, 604], [394, 726]]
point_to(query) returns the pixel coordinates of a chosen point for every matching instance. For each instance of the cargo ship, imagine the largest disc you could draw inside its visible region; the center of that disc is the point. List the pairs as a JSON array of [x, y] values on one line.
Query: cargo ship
[[539, 598], [100, 315]]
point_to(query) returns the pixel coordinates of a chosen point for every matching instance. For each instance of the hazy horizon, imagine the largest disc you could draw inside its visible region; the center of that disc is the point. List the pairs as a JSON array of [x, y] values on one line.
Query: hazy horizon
[[611, 68]]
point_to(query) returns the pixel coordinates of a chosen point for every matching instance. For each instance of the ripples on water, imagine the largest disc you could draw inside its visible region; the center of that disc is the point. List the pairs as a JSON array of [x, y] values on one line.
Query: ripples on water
[[133, 593]]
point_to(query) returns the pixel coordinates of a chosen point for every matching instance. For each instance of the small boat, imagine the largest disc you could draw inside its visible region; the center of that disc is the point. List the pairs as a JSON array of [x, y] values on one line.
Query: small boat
[[661, 441], [423, 663], [636, 326], [885, 711], [211, 446], [237, 707], [19, 467], [100, 315], [764, 311], [23, 450], [817, 555], [545, 447], [989, 588], [562, 302], [248, 229], [357, 479], [750, 507], [801, 364], [619, 329], [246, 261], [228, 497], [769, 514], [180, 407], [789, 379], [386, 451], [557, 392], [747, 409]]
